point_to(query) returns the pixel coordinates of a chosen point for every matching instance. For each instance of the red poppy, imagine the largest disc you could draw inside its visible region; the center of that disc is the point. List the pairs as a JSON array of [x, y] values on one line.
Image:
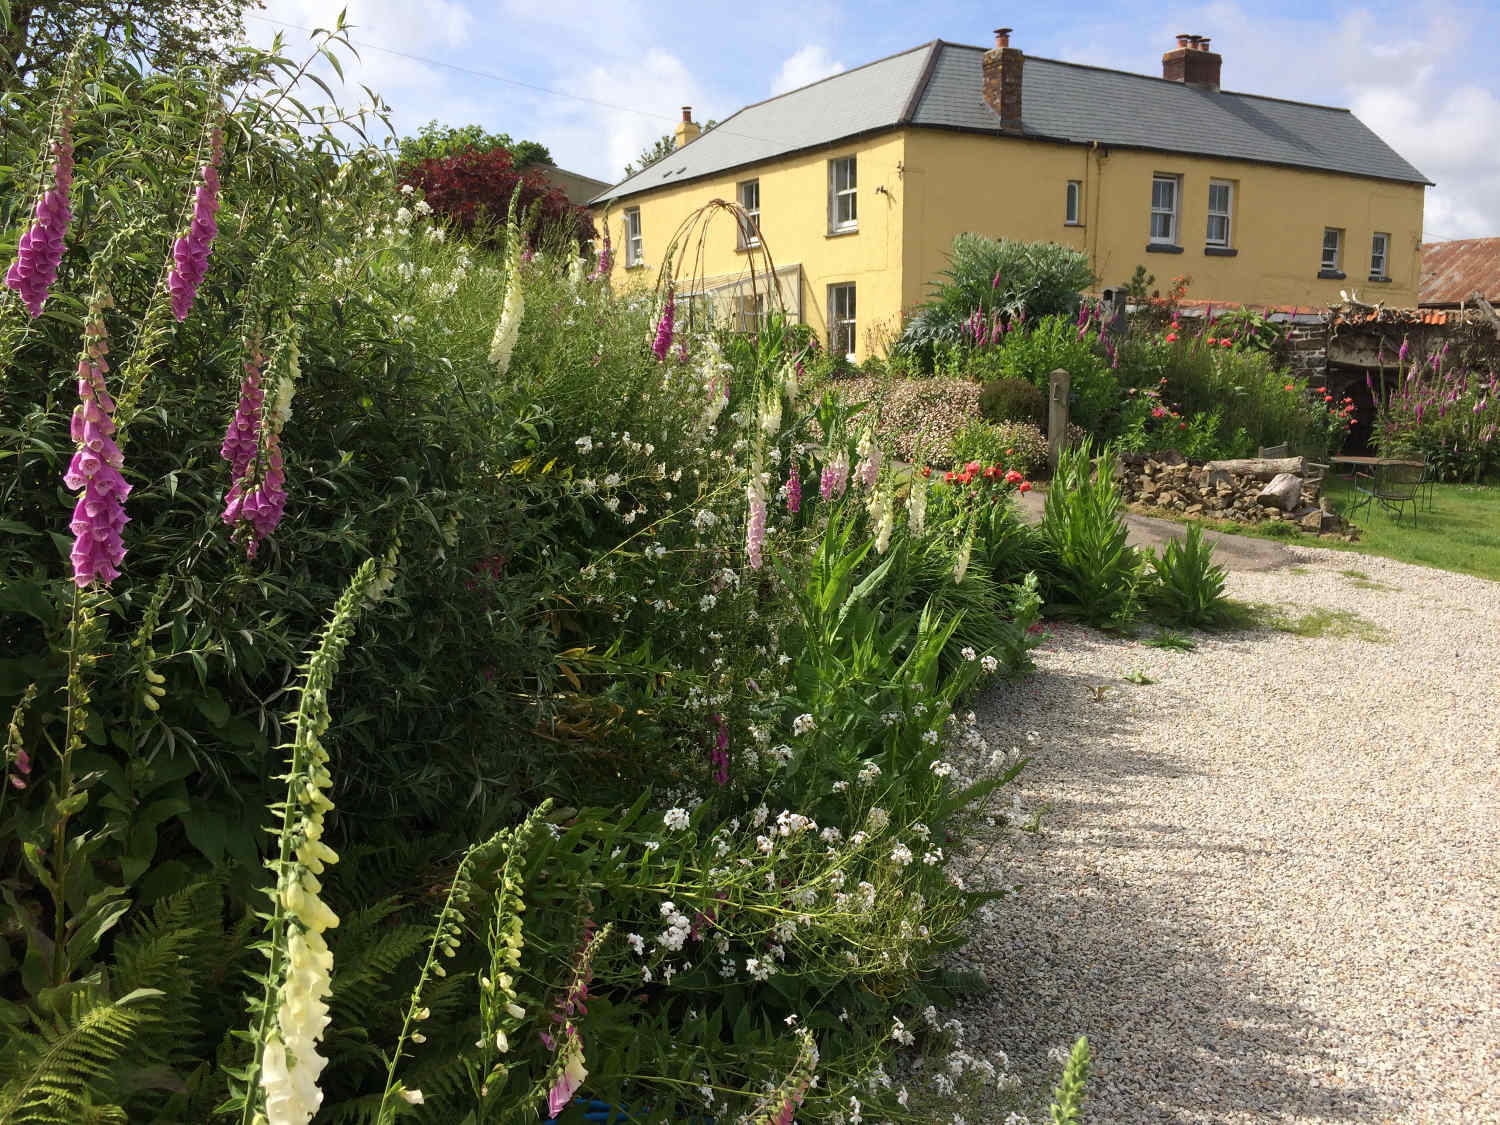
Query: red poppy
[[1289, 387], [948, 476], [927, 470], [1226, 342], [1025, 486], [1171, 337], [972, 467], [1013, 477]]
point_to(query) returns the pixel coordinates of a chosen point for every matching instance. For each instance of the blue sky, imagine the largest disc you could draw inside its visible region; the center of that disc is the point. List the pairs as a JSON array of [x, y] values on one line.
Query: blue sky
[[597, 82]]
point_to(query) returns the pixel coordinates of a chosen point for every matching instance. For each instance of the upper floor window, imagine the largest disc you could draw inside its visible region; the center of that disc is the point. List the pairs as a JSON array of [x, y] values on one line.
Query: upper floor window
[[841, 321], [749, 193], [1220, 209], [1333, 250], [1165, 190], [1380, 257], [843, 206], [634, 252], [1074, 210]]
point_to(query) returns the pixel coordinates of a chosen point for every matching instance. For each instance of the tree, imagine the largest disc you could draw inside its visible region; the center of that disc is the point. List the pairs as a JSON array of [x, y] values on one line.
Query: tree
[[36, 35], [434, 141], [663, 147]]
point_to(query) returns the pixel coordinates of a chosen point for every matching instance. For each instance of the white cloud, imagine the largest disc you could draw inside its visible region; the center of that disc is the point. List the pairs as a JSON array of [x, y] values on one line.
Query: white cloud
[[631, 103], [389, 35], [807, 65]]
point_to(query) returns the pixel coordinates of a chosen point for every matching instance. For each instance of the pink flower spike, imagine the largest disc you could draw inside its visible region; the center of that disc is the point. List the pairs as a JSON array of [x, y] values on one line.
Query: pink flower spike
[[40, 249], [94, 472], [191, 251]]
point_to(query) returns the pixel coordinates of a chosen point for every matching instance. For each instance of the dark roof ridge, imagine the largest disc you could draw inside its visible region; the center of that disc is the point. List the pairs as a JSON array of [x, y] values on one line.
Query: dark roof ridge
[[1168, 81]]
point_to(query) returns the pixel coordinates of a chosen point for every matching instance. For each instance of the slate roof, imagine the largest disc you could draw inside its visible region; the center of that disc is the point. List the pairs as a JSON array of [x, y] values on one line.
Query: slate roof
[[938, 85], [1451, 271]]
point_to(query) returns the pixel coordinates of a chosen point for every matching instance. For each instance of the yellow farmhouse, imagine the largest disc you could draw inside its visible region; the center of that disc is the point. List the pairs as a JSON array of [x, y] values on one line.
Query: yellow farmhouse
[[858, 183]]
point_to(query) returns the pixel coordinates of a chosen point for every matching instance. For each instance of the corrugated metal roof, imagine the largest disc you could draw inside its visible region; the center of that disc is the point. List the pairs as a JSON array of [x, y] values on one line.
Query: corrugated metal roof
[[1453, 270], [1071, 102], [939, 85]]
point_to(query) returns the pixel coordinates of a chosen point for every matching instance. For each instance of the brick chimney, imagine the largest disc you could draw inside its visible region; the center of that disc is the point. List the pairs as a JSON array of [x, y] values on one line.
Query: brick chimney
[[687, 128], [1192, 63], [1002, 80]]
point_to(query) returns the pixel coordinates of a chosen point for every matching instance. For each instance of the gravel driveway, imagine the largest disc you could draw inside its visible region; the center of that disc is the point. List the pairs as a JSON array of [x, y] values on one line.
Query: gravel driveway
[[1265, 885]]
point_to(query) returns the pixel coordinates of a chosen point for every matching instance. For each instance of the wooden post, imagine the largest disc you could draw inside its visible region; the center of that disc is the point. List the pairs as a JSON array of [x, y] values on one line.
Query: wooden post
[[1057, 416]]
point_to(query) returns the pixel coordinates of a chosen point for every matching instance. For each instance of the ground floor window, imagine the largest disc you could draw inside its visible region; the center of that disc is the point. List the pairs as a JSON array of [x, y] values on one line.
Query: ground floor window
[[841, 320]]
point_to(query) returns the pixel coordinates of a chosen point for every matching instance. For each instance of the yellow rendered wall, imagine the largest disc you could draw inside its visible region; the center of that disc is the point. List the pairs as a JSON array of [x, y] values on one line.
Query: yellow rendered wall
[[794, 228], [1017, 188]]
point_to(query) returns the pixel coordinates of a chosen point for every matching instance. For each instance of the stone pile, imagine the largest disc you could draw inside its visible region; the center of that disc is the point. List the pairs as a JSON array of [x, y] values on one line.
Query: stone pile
[[1250, 491]]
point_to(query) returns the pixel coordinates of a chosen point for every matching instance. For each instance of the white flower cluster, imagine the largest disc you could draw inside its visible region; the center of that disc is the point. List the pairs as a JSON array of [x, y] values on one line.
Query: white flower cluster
[[678, 928], [676, 819], [508, 331], [802, 724]]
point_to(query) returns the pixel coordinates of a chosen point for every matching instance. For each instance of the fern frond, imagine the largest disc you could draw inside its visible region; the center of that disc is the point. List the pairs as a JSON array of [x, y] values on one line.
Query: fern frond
[[57, 1068]]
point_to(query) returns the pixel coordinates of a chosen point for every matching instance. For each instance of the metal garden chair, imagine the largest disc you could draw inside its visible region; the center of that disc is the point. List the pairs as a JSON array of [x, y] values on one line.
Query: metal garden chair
[[1392, 486]]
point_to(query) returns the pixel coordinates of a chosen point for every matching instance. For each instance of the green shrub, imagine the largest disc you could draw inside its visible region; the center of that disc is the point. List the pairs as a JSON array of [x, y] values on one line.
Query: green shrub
[[1257, 403], [1016, 445], [1033, 351], [1187, 587], [1013, 400], [994, 277], [1094, 573], [1446, 412]]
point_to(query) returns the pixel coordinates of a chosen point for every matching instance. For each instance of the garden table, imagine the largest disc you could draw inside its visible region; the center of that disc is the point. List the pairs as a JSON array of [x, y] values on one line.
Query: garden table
[[1357, 462]]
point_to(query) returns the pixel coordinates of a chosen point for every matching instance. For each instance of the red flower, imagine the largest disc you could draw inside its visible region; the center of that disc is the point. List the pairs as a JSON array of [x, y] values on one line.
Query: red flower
[[1013, 477], [1226, 342], [927, 470], [1010, 452], [1289, 387], [972, 467], [1182, 425], [1158, 412], [948, 477], [1025, 486], [1171, 337]]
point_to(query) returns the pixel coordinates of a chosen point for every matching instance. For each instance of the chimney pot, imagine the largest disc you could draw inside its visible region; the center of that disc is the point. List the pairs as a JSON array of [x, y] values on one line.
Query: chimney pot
[[1192, 63], [687, 129], [1002, 36]]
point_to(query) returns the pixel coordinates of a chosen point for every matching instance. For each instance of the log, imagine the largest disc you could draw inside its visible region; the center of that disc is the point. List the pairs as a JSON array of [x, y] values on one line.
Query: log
[[1261, 468]]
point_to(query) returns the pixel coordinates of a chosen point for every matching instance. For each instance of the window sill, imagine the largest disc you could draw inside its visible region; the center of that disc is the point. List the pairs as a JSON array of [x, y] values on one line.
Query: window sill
[[842, 231], [1220, 251], [1331, 275], [1067, 223], [747, 248], [1379, 280], [636, 266], [1162, 248]]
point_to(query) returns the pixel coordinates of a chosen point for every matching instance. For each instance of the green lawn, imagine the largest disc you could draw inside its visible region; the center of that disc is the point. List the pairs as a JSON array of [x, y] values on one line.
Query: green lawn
[[1462, 532]]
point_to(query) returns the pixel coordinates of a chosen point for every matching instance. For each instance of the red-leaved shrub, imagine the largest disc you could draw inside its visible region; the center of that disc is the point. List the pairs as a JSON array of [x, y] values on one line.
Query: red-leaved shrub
[[473, 188]]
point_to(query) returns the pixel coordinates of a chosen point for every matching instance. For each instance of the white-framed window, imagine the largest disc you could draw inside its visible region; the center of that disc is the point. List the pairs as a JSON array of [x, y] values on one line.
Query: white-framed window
[[634, 250], [1333, 249], [1220, 212], [843, 205], [1380, 255], [1165, 191], [749, 193], [841, 320], [1074, 211]]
